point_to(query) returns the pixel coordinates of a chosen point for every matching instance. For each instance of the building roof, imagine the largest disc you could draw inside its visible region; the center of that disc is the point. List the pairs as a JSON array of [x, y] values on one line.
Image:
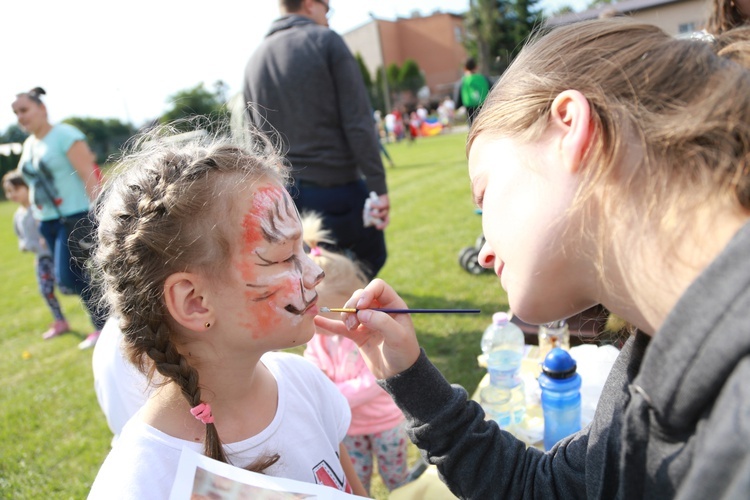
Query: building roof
[[625, 7]]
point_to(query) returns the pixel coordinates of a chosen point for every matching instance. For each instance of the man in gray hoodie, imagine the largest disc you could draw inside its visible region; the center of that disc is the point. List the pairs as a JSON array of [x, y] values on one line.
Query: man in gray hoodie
[[303, 84]]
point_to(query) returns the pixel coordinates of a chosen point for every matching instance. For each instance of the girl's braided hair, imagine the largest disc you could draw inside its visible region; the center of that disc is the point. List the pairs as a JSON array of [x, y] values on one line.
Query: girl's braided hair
[[164, 211]]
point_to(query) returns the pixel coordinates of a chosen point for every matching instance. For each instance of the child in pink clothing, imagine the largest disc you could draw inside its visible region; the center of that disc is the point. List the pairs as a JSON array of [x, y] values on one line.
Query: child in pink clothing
[[377, 426]]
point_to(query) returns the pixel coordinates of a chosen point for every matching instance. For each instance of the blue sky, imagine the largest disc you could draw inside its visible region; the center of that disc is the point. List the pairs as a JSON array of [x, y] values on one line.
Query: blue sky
[[123, 60]]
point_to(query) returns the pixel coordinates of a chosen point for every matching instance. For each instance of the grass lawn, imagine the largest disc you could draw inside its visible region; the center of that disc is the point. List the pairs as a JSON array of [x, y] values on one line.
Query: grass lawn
[[54, 436]]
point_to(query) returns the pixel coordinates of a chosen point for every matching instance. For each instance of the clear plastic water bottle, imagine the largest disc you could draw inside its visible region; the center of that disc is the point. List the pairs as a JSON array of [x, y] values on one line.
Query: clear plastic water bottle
[[504, 399], [561, 396]]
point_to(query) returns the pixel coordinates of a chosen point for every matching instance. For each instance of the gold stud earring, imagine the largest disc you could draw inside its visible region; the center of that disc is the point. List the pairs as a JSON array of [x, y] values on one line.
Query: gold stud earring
[[208, 325]]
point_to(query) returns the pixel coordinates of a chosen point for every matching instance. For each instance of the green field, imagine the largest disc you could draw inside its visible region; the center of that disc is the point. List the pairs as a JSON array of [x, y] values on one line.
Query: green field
[[53, 434]]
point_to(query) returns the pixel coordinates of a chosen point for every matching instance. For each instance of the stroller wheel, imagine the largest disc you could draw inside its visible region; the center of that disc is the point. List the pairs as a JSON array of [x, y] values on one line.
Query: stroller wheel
[[472, 263], [465, 254]]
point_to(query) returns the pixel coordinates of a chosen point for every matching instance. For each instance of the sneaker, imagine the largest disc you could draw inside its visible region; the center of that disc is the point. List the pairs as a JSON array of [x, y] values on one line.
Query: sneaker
[[57, 328], [89, 341]]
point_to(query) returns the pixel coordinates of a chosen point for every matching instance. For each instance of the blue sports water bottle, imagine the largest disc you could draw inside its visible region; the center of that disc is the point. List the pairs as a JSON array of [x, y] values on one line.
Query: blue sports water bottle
[[561, 396]]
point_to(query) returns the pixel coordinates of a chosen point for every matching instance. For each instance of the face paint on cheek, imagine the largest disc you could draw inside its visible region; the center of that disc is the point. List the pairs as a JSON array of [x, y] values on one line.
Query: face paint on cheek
[[264, 201], [265, 317], [260, 318], [251, 233]]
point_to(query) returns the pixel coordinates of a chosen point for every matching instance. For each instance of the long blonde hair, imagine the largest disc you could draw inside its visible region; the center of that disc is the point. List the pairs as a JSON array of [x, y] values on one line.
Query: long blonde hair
[[685, 102]]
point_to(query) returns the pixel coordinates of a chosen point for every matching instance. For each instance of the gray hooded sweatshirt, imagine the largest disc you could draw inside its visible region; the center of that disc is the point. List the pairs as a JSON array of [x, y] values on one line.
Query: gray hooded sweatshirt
[[303, 84], [673, 420]]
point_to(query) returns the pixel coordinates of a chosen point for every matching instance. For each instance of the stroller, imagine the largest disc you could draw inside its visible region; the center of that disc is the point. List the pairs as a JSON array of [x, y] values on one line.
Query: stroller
[[467, 257]]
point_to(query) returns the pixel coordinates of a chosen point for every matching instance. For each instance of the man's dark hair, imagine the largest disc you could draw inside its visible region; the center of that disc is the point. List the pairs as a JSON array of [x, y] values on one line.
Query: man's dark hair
[[471, 64], [291, 5]]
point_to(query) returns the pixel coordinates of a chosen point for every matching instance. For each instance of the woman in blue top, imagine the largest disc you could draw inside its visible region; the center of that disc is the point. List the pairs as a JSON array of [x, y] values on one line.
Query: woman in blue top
[[61, 172]]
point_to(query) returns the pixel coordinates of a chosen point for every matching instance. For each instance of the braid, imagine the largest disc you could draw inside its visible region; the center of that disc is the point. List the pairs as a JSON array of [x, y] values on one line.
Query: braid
[[172, 365], [158, 216]]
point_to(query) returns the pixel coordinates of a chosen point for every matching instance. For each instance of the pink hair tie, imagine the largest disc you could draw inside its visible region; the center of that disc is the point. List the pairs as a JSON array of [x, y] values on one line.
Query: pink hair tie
[[316, 252], [203, 413]]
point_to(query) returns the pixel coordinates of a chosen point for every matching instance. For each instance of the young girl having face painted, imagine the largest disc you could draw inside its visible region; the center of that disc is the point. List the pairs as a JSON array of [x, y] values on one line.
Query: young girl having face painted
[[612, 165], [201, 256]]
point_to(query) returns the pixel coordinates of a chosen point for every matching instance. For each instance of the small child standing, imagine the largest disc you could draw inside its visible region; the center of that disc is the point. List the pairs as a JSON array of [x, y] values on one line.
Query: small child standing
[[29, 240], [200, 253], [377, 428]]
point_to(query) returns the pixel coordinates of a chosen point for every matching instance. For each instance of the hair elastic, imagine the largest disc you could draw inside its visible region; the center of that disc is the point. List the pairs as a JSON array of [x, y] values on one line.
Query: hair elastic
[[203, 413], [316, 252]]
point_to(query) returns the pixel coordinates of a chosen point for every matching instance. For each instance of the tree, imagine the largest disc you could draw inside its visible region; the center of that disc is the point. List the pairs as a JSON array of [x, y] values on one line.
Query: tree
[[393, 74], [482, 22], [373, 92], [380, 91], [561, 11], [366, 77], [12, 134], [497, 30], [105, 136], [197, 101], [410, 77]]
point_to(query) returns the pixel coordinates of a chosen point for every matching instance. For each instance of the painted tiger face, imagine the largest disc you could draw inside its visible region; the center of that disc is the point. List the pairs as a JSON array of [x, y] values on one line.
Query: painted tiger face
[[275, 280]]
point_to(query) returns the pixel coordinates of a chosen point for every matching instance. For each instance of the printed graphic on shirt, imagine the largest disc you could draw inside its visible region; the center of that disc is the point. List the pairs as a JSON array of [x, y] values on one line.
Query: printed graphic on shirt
[[326, 476], [45, 192]]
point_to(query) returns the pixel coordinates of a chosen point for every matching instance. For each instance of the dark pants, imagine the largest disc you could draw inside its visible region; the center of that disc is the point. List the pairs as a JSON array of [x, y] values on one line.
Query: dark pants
[[471, 114], [69, 273], [341, 210]]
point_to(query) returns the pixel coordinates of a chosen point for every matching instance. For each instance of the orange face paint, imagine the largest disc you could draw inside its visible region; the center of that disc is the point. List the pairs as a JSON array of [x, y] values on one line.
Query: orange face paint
[[265, 200], [269, 265]]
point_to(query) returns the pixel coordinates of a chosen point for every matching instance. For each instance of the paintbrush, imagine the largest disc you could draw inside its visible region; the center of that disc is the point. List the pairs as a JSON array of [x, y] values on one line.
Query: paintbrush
[[401, 311]]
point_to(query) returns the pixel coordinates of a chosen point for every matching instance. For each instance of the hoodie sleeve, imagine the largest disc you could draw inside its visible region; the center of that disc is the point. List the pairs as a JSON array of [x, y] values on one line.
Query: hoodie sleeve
[[355, 114], [721, 464], [473, 456]]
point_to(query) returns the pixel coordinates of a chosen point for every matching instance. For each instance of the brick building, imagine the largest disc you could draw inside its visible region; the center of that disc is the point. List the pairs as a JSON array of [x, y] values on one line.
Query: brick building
[[435, 42]]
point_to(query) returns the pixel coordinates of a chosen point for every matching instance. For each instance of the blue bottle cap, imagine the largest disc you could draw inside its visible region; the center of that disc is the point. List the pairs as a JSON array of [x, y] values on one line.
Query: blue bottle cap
[[559, 364]]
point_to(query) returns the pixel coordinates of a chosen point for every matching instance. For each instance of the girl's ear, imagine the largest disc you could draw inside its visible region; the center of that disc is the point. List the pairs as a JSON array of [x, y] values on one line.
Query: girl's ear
[[571, 115], [183, 295]]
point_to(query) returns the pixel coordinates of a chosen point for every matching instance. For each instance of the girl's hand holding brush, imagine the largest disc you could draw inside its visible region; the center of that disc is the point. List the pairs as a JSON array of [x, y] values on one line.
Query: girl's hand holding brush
[[387, 343]]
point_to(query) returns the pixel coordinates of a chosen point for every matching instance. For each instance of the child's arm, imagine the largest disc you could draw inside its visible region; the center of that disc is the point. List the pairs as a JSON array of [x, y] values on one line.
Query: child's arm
[[84, 163], [387, 343], [351, 474]]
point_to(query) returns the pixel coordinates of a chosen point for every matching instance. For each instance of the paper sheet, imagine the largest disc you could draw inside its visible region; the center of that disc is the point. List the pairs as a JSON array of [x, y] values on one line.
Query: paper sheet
[[199, 477]]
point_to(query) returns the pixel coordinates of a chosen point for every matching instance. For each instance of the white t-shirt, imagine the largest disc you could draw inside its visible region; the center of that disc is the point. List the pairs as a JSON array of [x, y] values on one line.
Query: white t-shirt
[[120, 388], [311, 421]]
